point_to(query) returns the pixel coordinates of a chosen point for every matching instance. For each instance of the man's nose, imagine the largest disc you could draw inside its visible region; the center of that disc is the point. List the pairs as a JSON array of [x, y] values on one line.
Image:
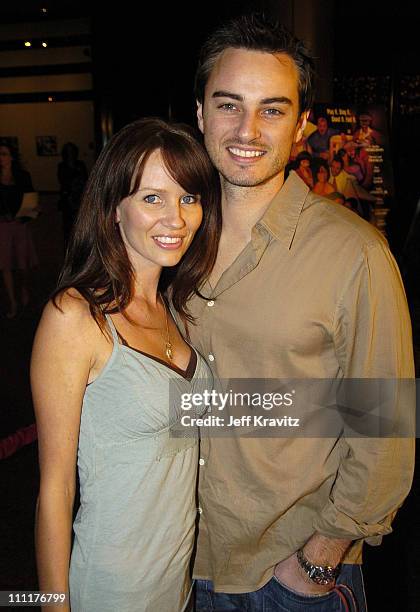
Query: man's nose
[[248, 127]]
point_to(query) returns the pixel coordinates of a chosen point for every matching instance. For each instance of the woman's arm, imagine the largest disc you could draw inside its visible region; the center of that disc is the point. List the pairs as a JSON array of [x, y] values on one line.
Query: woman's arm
[[60, 366]]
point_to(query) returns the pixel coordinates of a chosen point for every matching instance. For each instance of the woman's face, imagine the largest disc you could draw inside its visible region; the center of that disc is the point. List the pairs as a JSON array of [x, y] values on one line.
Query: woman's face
[[158, 222], [322, 174], [5, 157]]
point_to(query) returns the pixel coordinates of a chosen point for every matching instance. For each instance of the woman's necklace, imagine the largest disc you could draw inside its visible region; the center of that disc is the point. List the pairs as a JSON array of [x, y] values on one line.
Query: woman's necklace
[[168, 343]]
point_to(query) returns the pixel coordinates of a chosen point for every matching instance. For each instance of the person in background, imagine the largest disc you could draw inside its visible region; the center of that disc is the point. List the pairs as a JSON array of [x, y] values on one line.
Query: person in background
[[340, 180], [319, 141], [365, 134], [351, 164], [321, 172], [72, 176], [356, 162], [17, 251], [298, 147], [105, 353], [302, 167]]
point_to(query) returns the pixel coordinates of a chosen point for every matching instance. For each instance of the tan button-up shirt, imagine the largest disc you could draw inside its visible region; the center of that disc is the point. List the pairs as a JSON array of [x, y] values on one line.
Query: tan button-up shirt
[[315, 294]]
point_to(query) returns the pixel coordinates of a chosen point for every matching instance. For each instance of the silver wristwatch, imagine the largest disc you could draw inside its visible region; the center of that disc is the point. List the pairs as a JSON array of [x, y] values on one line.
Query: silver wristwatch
[[320, 574]]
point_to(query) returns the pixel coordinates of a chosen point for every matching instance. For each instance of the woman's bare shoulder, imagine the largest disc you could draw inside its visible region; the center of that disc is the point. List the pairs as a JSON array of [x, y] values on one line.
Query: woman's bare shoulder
[[69, 314]]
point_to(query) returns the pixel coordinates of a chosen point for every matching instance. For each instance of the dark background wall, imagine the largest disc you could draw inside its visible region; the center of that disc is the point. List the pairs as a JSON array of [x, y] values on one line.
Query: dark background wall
[[144, 55], [144, 64]]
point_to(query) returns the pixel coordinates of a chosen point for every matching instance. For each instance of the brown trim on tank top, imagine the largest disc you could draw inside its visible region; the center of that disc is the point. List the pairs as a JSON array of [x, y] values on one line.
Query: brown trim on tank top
[[188, 373]]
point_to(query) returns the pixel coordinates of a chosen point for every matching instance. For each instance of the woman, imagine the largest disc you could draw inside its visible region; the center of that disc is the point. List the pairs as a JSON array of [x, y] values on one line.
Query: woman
[[350, 163], [322, 174], [17, 251], [105, 351], [303, 168]]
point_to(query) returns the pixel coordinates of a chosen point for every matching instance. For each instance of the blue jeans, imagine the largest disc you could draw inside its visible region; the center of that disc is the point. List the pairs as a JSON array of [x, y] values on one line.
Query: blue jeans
[[275, 597]]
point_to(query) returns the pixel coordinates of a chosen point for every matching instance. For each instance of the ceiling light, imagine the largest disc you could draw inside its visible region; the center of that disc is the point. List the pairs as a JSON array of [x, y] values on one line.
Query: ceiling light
[[28, 43]]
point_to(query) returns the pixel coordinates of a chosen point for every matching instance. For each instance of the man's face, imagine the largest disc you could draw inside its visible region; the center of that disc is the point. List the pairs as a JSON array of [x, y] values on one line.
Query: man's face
[[351, 152], [250, 115], [365, 121], [322, 125], [335, 168]]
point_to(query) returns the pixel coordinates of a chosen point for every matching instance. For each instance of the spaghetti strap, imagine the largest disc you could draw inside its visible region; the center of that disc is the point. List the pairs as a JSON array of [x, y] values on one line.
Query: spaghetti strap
[[113, 329]]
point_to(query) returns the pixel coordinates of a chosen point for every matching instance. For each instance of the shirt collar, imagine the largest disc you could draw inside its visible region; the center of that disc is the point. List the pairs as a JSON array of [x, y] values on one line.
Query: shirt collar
[[282, 215]]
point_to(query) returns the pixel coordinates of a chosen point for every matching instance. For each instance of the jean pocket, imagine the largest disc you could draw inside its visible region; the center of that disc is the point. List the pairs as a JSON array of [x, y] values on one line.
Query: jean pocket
[[280, 598]]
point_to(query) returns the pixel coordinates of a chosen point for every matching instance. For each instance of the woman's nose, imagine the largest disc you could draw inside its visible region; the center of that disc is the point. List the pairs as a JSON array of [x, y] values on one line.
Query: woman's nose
[[173, 217]]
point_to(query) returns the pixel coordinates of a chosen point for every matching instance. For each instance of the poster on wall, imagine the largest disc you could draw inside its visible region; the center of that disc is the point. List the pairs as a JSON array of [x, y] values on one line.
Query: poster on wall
[[344, 155], [10, 141], [46, 145]]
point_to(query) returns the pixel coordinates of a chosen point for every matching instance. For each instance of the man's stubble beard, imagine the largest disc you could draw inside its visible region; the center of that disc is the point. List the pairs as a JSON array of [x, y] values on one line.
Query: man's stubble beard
[[242, 178]]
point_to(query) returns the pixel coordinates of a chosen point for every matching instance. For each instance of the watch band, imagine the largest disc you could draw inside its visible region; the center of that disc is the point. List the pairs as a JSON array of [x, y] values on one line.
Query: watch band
[[320, 574]]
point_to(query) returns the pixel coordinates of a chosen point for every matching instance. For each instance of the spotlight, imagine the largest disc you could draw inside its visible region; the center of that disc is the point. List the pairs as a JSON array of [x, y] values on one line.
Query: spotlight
[[28, 43], [44, 44]]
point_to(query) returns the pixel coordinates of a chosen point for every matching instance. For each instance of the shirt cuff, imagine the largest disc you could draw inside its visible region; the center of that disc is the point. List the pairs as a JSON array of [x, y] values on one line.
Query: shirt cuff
[[333, 523]]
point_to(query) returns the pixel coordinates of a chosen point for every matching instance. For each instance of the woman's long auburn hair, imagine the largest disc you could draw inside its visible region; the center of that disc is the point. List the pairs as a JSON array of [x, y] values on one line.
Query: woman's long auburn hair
[[96, 262]]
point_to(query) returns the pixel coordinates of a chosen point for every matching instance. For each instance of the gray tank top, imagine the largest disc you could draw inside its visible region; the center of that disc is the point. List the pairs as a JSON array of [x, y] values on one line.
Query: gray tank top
[[135, 528]]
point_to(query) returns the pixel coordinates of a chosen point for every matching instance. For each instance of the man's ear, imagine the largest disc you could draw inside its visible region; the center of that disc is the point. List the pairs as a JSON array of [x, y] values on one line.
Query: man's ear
[[200, 116], [301, 125]]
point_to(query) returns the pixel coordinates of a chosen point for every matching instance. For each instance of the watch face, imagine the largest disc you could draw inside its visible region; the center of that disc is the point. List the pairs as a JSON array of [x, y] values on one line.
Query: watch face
[[321, 577], [317, 573]]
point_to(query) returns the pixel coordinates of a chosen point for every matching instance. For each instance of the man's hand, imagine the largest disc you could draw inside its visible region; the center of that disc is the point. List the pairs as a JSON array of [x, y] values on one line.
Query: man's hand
[[293, 576], [319, 550]]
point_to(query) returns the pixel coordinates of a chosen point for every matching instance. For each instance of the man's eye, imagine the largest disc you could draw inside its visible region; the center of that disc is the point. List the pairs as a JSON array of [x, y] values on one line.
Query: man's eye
[[189, 199], [152, 199], [273, 111], [228, 106]]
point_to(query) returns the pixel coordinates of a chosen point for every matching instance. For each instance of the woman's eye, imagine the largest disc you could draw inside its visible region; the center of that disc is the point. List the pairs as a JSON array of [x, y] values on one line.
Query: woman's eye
[[152, 199], [189, 199]]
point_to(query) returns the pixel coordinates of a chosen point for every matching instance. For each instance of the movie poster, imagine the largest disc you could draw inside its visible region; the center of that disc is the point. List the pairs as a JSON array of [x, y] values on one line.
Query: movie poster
[[344, 155]]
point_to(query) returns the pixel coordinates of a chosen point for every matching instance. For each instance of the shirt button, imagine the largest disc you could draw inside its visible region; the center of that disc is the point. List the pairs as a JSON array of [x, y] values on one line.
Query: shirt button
[[211, 303], [211, 357], [201, 462], [200, 510]]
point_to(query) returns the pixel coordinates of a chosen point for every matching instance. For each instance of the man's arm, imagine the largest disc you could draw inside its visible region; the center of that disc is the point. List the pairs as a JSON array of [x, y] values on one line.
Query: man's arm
[[319, 550], [373, 341]]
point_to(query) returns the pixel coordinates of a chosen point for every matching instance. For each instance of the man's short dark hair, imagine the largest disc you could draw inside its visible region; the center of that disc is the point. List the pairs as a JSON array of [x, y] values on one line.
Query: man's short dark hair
[[255, 32]]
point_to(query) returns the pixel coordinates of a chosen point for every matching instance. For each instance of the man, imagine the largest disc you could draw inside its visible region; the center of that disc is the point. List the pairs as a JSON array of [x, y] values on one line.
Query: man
[[301, 289], [356, 162], [342, 181], [319, 140], [365, 134]]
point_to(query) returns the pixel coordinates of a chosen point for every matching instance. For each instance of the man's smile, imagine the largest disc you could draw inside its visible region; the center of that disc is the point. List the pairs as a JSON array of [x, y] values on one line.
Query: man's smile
[[245, 154]]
